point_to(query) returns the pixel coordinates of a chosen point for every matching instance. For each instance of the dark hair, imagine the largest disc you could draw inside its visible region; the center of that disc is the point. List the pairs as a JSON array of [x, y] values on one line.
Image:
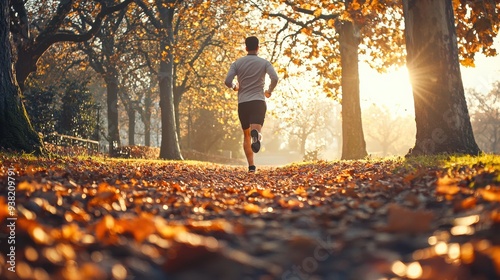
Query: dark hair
[[252, 43]]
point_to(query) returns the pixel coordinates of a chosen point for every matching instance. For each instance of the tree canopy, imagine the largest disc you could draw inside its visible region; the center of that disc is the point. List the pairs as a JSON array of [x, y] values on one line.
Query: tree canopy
[[176, 52]]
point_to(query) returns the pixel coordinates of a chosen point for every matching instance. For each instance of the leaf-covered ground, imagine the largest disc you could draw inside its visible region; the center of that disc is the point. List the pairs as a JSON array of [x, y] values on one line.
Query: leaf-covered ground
[[80, 218]]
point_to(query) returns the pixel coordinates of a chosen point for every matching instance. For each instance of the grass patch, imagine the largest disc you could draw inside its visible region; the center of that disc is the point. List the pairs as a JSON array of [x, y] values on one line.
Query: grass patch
[[485, 160], [448, 161]]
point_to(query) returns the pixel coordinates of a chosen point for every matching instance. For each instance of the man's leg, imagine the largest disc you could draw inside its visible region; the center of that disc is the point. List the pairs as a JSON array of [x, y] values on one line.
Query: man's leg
[[247, 146], [251, 115]]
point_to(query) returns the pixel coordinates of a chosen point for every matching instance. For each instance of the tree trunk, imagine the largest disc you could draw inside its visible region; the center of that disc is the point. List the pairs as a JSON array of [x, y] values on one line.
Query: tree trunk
[[169, 148], [177, 102], [302, 140], [441, 114], [353, 141], [131, 125], [15, 127], [111, 80], [24, 66], [385, 148], [146, 119], [189, 125]]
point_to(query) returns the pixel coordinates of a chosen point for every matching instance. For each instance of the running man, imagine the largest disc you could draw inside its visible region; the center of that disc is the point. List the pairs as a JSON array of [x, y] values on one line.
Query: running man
[[251, 71]]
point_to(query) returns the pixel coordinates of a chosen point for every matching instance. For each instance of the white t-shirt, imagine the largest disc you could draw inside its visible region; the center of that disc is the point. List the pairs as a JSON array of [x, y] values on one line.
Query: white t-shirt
[[251, 72]]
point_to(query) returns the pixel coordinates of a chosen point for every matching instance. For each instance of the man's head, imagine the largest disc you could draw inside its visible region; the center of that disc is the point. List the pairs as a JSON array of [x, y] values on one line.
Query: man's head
[[252, 43]]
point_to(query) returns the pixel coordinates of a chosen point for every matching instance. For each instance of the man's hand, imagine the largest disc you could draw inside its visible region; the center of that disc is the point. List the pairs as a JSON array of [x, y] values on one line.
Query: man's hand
[[236, 87], [267, 93]]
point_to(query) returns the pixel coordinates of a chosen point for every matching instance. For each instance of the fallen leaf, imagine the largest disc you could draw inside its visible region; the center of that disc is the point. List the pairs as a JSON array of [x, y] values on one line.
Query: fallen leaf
[[402, 219]]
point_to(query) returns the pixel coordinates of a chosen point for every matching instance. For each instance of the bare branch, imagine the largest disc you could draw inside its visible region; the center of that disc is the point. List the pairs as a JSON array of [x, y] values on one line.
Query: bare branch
[[50, 37]]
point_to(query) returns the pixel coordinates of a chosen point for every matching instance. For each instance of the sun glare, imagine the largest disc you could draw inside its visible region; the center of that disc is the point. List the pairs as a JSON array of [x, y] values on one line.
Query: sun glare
[[391, 89]]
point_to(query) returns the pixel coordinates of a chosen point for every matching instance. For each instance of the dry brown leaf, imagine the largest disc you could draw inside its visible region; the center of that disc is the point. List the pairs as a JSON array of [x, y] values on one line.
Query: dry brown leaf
[[251, 208], [495, 216], [447, 186], [402, 219], [468, 203], [490, 194], [213, 225], [301, 191], [290, 203], [267, 193], [168, 231], [105, 230], [4, 209]]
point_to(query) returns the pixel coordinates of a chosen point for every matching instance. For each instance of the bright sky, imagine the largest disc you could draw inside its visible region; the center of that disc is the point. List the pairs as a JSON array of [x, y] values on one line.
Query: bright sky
[[390, 89], [393, 89]]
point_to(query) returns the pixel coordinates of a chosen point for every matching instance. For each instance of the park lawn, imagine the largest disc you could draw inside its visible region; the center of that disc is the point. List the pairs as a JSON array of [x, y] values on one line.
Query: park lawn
[[102, 218]]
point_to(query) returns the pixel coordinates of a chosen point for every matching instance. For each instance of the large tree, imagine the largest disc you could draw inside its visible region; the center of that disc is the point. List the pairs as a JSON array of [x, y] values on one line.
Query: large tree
[[32, 39], [51, 23], [161, 16], [15, 127], [329, 36], [441, 114], [318, 23], [107, 56], [353, 144], [185, 31], [213, 42]]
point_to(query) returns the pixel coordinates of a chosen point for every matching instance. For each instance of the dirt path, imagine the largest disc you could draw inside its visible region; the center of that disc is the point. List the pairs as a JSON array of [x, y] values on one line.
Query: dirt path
[[96, 219]]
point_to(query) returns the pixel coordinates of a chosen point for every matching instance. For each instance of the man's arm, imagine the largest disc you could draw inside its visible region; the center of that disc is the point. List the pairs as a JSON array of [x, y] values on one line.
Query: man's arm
[[230, 77], [273, 76]]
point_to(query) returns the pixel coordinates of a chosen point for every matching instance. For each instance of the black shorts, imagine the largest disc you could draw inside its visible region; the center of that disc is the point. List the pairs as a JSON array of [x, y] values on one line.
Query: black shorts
[[252, 112]]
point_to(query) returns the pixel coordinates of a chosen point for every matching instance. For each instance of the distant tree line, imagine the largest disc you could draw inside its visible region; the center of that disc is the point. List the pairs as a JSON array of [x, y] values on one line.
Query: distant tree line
[[485, 117]]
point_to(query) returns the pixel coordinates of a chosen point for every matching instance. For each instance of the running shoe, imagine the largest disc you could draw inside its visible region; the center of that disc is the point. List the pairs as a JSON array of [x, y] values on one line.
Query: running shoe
[[255, 140], [251, 169]]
